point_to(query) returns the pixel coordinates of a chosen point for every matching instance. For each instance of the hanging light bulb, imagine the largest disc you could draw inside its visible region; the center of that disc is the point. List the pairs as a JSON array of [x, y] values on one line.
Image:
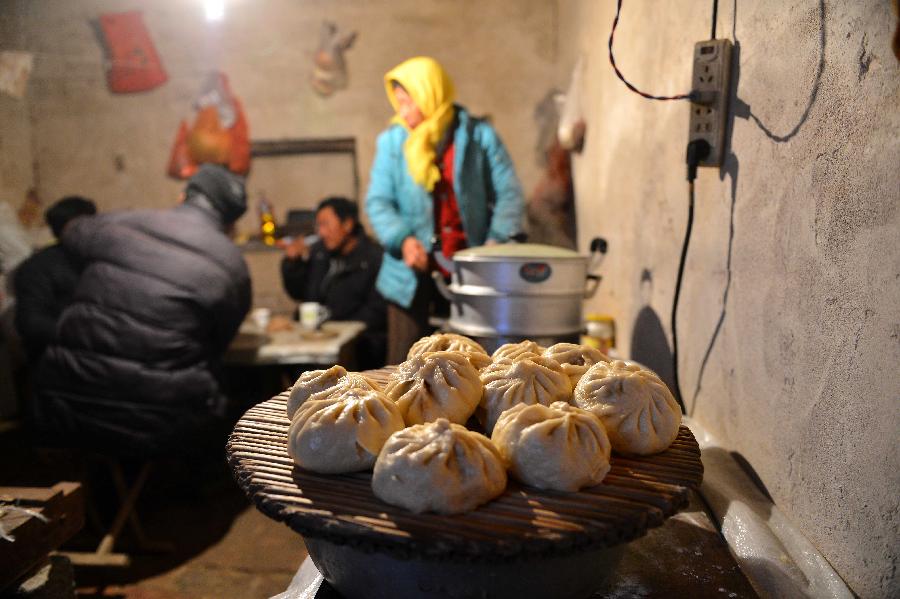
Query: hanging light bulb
[[214, 9]]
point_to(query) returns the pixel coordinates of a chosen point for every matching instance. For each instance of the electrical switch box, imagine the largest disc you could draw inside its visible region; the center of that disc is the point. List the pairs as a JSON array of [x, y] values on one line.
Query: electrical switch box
[[709, 97]]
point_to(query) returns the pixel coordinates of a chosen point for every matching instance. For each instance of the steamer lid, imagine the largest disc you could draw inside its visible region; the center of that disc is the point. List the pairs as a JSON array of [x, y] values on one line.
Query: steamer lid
[[517, 250]]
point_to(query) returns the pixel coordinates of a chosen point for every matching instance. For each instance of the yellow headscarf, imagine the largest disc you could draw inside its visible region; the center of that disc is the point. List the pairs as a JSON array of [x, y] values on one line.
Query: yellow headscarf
[[429, 86]]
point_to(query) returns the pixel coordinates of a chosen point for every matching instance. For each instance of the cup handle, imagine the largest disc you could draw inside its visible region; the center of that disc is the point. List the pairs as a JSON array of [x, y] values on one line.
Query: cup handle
[[324, 314]]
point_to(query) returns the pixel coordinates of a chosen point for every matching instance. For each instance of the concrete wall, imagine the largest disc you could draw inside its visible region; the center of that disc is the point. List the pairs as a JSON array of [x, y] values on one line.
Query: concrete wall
[[16, 173], [15, 150], [115, 147], [789, 326]]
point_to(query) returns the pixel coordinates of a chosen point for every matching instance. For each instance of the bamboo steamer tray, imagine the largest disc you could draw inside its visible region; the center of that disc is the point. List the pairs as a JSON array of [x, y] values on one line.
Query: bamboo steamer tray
[[505, 548]]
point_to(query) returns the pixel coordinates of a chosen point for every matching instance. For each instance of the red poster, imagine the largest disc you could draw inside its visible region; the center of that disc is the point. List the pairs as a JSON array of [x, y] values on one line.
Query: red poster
[[133, 64]]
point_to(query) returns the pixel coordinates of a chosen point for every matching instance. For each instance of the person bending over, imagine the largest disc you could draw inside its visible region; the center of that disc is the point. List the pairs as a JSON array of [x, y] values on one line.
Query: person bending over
[[134, 367]]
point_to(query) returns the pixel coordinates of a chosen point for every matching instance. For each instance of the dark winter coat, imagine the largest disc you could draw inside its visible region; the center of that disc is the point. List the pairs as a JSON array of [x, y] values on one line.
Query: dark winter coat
[[44, 285], [346, 286], [161, 296]]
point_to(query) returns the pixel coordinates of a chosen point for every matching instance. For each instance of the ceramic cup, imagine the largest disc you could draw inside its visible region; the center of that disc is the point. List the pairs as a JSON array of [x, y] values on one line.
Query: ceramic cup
[[261, 318], [312, 315]]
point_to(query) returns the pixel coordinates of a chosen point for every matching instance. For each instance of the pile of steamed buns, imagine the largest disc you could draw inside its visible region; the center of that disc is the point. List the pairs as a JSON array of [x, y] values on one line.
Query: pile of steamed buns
[[550, 416]]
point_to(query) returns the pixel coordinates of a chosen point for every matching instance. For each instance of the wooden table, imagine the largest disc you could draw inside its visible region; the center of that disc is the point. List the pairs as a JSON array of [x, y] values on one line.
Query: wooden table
[[260, 364], [253, 347]]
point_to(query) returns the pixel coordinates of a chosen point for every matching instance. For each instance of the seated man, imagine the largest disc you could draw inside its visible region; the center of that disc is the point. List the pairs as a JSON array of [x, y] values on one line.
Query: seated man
[[45, 283], [162, 294], [339, 271]]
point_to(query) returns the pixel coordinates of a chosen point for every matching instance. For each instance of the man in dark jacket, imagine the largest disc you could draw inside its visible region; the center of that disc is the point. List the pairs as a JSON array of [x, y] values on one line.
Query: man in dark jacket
[[45, 282], [161, 296], [339, 272]]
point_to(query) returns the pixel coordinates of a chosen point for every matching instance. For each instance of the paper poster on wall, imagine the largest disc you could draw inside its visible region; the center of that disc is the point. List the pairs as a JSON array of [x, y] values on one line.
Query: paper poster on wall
[[15, 69], [132, 64]]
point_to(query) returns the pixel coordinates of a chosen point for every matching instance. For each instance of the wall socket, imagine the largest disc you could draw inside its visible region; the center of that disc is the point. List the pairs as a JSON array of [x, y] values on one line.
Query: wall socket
[[709, 97]]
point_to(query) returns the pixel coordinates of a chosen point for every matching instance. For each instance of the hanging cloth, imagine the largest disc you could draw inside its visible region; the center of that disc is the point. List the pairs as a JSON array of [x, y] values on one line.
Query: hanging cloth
[[429, 86]]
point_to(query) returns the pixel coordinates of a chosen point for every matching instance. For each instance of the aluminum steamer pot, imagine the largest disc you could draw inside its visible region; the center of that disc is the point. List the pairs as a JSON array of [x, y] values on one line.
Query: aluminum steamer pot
[[510, 292], [358, 574]]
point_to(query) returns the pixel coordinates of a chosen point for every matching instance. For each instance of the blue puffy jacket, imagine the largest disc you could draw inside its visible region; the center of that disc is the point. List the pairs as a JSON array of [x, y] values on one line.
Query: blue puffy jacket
[[487, 191]]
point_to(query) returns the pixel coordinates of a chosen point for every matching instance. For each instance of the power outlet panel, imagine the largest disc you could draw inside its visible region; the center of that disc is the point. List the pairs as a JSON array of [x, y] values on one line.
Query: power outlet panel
[[709, 102]]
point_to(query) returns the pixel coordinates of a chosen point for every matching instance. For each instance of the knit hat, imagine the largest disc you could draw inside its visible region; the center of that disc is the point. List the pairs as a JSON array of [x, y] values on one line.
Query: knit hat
[[222, 188], [65, 210]]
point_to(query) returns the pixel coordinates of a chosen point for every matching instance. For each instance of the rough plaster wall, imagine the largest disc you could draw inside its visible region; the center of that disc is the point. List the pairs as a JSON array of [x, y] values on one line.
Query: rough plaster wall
[[265, 47], [798, 233], [15, 151], [114, 148], [15, 132]]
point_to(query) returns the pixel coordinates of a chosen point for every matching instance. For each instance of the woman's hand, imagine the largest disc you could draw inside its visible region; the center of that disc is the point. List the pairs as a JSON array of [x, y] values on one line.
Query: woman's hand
[[414, 254]]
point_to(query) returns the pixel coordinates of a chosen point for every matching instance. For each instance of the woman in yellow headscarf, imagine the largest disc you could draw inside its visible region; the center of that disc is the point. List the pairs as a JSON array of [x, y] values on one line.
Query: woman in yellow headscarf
[[439, 173]]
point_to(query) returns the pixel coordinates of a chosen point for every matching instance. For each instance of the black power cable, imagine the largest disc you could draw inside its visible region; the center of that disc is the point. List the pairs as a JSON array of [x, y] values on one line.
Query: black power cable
[[715, 17], [697, 150], [612, 61]]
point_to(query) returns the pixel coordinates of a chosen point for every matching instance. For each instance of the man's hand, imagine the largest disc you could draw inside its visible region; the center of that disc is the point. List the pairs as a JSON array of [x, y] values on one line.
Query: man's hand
[[297, 248], [414, 254]]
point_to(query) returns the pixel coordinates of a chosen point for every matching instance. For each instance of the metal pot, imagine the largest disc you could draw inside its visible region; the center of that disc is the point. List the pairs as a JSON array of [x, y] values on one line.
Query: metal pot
[[510, 292], [358, 574]]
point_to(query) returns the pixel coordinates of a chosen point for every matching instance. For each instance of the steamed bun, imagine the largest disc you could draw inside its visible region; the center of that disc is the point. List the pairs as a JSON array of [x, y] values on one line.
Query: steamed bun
[[311, 382], [438, 467], [575, 359], [530, 380], [451, 342], [343, 432], [639, 412], [444, 342], [557, 447], [435, 385], [516, 351], [320, 384]]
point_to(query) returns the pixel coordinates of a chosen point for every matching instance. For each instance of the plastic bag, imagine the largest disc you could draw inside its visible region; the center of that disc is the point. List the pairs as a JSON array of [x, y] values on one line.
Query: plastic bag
[[218, 135]]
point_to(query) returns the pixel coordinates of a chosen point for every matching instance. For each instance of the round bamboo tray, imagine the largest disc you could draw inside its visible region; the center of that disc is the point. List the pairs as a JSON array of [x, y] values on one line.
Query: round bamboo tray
[[638, 493]]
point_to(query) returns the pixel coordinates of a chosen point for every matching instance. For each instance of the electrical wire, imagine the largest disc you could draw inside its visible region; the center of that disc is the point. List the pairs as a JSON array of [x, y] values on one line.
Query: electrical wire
[[612, 61], [715, 17], [681, 263]]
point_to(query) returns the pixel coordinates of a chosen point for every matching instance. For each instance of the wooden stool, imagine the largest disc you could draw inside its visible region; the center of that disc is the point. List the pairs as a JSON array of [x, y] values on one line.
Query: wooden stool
[[128, 496]]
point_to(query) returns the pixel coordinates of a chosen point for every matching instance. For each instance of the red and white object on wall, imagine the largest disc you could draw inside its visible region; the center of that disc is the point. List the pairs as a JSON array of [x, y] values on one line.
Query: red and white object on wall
[[218, 135], [132, 64]]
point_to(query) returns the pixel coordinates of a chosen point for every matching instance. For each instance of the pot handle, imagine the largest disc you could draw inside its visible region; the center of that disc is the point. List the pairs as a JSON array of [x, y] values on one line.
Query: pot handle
[[439, 257], [592, 283], [599, 246], [441, 285]]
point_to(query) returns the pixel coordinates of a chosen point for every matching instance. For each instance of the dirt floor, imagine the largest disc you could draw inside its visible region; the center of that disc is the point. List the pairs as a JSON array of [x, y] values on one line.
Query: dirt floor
[[222, 547]]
